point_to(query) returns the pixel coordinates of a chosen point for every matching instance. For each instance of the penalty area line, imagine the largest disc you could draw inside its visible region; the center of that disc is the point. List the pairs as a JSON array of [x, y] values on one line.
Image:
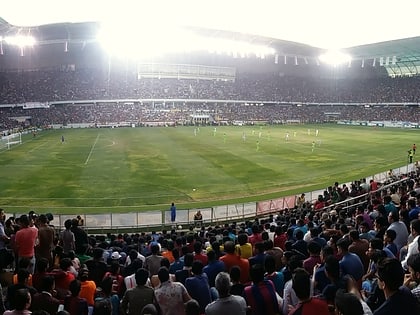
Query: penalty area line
[[91, 149]]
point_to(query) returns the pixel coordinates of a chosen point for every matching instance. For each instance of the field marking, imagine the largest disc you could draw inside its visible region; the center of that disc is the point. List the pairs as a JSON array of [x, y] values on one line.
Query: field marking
[[37, 147], [91, 149]]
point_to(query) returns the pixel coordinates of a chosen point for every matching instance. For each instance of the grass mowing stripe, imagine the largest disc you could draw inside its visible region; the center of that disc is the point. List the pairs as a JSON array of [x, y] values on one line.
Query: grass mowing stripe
[[147, 168]]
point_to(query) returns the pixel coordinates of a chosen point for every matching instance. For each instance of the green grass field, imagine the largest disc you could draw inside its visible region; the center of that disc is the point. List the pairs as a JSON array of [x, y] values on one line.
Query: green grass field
[[130, 169]]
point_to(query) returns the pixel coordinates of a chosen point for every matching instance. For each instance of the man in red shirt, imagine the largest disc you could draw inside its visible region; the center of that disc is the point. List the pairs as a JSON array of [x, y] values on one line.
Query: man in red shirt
[[231, 259], [25, 240]]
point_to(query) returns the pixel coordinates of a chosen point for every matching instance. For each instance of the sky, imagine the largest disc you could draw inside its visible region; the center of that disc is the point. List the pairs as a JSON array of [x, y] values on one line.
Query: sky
[[329, 24]]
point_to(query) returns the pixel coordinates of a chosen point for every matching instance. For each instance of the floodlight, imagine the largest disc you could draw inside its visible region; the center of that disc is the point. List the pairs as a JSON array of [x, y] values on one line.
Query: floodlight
[[334, 57], [20, 40]]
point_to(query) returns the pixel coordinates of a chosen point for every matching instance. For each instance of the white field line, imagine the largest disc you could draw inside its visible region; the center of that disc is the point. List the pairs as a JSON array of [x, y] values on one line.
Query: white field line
[[91, 149]]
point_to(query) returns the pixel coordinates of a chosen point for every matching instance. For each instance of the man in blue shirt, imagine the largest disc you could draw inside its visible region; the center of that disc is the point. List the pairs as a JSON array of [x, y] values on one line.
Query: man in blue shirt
[[350, 264]]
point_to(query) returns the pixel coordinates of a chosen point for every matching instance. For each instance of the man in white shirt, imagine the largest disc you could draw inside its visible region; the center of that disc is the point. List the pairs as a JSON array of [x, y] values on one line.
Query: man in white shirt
[[413, 247], [399, 227]]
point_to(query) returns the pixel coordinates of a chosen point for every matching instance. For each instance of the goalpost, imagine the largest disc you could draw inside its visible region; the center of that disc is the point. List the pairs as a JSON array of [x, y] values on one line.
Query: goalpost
[[7, 141]]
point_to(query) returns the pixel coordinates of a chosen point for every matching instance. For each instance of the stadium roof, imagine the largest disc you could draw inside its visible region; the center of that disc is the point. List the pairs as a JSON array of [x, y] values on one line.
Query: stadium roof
[[293, 30], [325, 24]]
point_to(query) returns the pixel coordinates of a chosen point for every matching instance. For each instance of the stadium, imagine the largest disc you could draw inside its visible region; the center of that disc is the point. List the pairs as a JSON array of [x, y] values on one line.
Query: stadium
[[185, 157], [238, 92]]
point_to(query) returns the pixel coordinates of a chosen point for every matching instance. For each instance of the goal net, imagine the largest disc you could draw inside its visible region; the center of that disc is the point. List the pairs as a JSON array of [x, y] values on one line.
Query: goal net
[[7, 141]]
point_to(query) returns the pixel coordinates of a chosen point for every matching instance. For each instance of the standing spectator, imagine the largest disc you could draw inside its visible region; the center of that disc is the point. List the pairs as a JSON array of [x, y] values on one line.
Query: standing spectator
[[46, 236], [67, 240], [261, 296], [80, 237], [25, 242], [399, 300], [170, 296], [153, 261], [138, 297], [173, 213], [226, 303], [3, 237]]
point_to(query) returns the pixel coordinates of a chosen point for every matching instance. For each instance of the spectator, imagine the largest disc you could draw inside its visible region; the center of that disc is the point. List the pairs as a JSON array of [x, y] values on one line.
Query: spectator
[[226, 303]]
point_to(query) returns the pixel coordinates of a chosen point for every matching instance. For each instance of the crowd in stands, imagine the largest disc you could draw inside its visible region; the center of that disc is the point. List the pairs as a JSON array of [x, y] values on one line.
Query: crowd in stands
[[83, 84], [309, 259], [89, 84]]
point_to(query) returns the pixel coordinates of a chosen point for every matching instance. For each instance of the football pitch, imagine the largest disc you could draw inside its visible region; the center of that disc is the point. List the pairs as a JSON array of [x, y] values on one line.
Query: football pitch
[[135, 169]]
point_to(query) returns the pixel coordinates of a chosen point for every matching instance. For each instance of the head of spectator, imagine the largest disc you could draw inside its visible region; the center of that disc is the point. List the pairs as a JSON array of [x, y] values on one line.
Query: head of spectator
[[389, 236], [301, 284], [242, 238], [229, 247], [332, 268], [257, 273], [197, 267], [235, 274], [223, 284], [106, 285], [142, 275], [314, 249], [393, 216], [149, 309], [413, 263], [343, 246], [390, 275], [75, 287], [163, 274], [155, 249], [192, 307], [415, 227], [347, 303], [22, 300]]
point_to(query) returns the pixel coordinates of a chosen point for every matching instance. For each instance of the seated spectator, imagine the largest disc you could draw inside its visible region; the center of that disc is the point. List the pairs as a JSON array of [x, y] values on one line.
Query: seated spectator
[[230, 259], [170, 296], [307, 304], [399, 300], [413, 247], [261, 295], [138, 297], [350, 264], [22, 303], [274, 276], [213, 268], [412, 280], [74, 304], [237, 287], [198, 286], [45, 300], [314, 258], [226, 303]]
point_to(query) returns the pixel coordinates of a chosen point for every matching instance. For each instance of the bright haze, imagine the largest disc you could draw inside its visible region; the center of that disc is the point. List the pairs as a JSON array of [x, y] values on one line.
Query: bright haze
[[327, 24]]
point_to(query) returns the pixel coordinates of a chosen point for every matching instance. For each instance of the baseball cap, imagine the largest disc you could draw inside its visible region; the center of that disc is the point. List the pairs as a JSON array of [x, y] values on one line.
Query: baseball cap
[[115, 255]]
